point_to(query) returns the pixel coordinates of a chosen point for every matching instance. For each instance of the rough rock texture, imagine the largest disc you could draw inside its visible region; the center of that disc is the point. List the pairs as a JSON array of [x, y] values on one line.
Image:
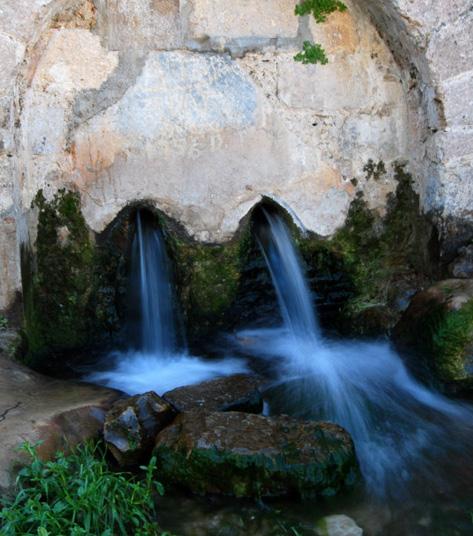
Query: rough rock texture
[[439, 325], [254, 456], [132, 425], [35, 408], [198, 106], [462, 266], [239, 392], [338, 525]]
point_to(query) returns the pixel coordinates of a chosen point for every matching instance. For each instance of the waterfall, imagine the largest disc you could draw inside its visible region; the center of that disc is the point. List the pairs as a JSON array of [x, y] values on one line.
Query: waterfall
[[156, 362], [400, 428], [288, 278], [151, 276]]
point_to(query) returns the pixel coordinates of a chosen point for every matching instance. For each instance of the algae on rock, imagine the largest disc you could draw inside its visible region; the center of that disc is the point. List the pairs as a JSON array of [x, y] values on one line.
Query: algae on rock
[[385, 259], [438, 327], [58, 280]]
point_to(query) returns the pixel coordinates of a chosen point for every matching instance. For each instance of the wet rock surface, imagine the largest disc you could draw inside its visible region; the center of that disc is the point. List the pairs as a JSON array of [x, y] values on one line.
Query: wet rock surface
[[438, 327], [248, 455], [338, 525], [36, 408], [132, 424], [239, 392], [462, 266]]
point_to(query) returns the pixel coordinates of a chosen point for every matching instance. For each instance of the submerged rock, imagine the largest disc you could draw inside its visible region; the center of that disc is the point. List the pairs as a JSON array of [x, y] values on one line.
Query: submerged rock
[[132, 424], [249, 455], [438, 325], [338, 525], [34, 408], [239, 392]]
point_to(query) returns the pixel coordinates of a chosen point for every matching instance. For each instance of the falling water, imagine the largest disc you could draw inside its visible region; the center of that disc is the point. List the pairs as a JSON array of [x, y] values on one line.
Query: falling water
[[157, 362], [151, 275], [400, 429]]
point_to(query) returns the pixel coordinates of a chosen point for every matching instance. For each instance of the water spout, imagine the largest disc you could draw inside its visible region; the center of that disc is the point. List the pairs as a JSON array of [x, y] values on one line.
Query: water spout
[[151, 275], [157, 362]]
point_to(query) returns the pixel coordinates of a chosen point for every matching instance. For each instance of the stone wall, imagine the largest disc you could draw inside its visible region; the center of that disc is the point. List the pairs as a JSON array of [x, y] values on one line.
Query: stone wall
[[198, 107]]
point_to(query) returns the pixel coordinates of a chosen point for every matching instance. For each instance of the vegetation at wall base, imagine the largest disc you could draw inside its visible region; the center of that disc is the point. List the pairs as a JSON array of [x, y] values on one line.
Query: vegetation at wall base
[[77, 494]]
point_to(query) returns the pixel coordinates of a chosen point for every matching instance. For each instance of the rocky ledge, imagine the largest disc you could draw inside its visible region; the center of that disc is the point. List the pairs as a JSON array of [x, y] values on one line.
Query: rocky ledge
[[57, 413]]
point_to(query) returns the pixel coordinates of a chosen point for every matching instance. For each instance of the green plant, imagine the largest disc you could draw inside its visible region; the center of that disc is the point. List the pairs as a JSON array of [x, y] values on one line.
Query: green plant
[[77, 494], [3, 322], [320, 9], [451, 335], [311, 53]]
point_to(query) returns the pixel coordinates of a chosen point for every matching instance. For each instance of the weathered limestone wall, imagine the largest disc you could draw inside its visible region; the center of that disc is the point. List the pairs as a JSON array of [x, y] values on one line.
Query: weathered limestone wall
[[198, 106]]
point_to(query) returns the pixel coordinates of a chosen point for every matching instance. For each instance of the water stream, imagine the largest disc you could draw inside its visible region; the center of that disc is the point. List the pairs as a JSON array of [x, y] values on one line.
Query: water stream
[[155, 360], [413, 444], [401, 430]]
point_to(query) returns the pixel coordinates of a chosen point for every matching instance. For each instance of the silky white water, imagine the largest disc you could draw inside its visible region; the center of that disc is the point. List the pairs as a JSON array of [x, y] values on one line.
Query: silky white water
[[400, 428], [154, 361]]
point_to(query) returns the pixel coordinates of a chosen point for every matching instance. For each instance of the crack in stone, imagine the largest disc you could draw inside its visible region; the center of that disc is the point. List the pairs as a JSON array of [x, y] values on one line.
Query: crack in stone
[[3, 415]]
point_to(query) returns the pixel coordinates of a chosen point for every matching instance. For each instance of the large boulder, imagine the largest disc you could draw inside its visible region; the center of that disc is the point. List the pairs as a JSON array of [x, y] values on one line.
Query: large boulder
[[248, 455], [438, 327], [35, 408], [132, 424], [239, 392]]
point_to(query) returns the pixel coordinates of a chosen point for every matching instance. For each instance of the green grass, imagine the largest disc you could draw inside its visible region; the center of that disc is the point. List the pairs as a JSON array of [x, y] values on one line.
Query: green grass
[[78, 494]]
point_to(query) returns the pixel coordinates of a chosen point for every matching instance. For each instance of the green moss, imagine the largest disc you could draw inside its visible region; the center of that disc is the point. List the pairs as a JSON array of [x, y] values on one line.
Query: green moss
[[216, 471], [450, 340], [380, 256], [208, 278], [59, 283]]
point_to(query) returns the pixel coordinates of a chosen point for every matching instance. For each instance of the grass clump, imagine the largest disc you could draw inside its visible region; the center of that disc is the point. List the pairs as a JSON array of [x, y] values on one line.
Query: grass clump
[[77, 494]]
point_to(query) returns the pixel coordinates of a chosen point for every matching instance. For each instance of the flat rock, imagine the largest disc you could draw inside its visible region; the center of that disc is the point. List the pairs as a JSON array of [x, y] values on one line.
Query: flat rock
[[132, 424], [36, 408], [248, 455], [239, 392]]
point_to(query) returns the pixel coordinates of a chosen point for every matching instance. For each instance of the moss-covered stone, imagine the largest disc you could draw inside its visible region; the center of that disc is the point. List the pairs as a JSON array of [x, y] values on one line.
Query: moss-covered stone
[[58, 280], [208, 276], [438, 326], [254, 456], [383, 259]]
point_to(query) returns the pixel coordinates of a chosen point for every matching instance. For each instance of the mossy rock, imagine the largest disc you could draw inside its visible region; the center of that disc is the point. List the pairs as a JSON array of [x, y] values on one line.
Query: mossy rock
[[57, 278], [383, 259], [245, 455], [438, 326]]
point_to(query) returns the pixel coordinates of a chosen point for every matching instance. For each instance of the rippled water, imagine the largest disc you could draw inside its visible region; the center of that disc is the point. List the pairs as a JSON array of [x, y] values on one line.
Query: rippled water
[[400, 428]]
